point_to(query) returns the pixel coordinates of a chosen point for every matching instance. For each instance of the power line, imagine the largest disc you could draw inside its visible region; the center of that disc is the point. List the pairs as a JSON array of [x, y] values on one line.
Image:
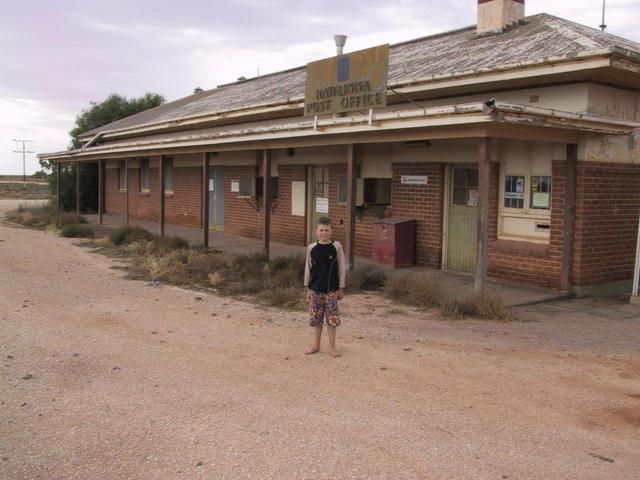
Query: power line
[[24, 152]]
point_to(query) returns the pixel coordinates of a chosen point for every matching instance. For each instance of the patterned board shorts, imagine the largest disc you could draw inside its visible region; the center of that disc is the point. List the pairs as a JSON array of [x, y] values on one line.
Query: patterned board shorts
[[324, 306]]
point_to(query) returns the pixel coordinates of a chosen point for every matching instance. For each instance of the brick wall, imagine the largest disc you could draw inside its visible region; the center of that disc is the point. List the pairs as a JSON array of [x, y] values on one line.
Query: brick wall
[[424, 203], [607, 209], [182, 207]]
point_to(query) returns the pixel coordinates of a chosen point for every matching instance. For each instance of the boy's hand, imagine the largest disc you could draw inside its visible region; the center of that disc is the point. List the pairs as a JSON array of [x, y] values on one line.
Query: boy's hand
[[341, 294]]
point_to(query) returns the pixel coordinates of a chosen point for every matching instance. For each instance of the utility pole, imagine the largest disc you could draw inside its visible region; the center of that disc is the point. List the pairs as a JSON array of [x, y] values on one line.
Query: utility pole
[[24, 152]]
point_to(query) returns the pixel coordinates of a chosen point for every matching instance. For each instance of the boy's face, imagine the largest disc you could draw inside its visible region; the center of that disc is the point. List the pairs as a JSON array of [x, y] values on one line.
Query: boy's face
[[323, 232]]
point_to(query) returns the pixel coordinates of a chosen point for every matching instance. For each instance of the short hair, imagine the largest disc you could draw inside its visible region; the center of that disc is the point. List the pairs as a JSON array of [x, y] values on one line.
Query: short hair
[[323, 221]]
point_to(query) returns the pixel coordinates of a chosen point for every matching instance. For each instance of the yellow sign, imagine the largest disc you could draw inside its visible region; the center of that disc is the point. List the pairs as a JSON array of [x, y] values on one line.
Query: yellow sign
[[345, 83]]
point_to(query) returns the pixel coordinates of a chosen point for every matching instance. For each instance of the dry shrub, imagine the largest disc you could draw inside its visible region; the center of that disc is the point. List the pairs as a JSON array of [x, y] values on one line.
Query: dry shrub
[[125, 235], [67, 218], [180, 267], [485, 305], [366, 277], [77, 230], [286, 297], [38, 217], [414, 288], [167, 244], [250, 266], [244, 287]]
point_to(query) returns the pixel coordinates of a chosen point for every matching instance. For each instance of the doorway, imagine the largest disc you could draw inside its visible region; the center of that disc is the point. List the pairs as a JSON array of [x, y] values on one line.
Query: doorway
[[216, 199], [462, 222], [318, 198]]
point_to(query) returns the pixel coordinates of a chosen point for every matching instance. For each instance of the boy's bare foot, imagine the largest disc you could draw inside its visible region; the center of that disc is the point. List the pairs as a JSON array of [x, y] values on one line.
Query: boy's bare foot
[[312, 350], [334, 353]]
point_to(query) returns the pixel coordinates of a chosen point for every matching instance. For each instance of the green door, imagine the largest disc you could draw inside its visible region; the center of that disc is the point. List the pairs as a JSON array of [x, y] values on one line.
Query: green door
[[463, 214], [319, 198]]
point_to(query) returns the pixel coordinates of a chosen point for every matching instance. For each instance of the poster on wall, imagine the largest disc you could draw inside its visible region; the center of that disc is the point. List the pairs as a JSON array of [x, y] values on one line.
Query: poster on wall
[[322, 205], [297, 199], [473, 198], [235, 186], [540, 200]]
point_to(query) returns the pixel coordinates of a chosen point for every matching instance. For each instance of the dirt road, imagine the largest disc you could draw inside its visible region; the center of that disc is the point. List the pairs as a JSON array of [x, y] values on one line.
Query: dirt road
[[106, 378]]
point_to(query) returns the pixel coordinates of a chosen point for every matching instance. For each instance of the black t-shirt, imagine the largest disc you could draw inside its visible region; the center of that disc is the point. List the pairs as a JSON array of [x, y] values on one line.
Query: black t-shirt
[[325, 269]]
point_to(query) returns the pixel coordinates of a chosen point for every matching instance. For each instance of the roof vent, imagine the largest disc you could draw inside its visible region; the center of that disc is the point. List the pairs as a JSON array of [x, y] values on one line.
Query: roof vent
[[495, 16]]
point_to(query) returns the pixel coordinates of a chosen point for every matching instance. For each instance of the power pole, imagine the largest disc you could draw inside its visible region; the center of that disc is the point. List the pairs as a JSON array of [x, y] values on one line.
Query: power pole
[[603, 26], [24, 152]]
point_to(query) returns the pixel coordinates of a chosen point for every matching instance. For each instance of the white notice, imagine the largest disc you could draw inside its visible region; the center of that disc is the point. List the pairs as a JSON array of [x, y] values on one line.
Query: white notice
[[414, 179], [297, 198], [235, 186], [211, 184], [322, 205]]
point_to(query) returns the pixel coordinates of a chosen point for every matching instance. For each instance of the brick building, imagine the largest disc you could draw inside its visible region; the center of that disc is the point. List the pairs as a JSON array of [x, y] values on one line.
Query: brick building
[[514, 144]]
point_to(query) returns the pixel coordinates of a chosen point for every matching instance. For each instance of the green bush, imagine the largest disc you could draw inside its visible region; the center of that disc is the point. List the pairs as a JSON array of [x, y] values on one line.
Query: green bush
[[77, 230], [366, 277], [127, 234]]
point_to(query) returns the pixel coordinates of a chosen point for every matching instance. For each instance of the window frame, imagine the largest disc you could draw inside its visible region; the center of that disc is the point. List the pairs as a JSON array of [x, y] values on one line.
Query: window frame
[[526, 212], [122, 170], [167, 165], [144, 168]]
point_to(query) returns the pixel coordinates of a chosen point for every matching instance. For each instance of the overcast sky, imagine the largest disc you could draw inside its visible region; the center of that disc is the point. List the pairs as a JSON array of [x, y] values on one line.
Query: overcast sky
[[57, 56]]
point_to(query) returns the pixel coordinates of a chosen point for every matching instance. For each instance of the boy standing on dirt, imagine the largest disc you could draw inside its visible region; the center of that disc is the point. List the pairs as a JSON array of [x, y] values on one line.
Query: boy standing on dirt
[[324, 277]]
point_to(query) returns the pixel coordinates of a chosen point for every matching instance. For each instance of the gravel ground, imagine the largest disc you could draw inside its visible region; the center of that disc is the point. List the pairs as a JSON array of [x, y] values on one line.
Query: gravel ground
[[106, 378]]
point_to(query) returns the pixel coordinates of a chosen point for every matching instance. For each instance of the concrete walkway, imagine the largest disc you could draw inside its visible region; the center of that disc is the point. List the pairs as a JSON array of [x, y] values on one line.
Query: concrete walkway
[[457, 282]]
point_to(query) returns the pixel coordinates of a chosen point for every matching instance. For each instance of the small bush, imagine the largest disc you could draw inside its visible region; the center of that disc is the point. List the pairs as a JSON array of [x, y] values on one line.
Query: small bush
[[33, 217], [167, 244], [125, 235], [77, 230], [244, 287], [366, 277], [484, 305], [180, 267], [68, 218], [414, 288], [288, 297], [250, 266]]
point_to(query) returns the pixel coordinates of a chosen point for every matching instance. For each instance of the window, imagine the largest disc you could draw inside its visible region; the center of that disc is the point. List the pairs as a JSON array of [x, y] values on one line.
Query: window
[[260, 187], [465, 187], [144, 175], [525, 191], [377, 191], [540, 192], [122, 175], [247, 187], [341, 196], [514, 191], [168, 174]]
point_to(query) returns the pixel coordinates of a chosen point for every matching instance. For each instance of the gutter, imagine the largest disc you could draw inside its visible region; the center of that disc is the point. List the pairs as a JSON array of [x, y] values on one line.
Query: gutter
[[463, 114]]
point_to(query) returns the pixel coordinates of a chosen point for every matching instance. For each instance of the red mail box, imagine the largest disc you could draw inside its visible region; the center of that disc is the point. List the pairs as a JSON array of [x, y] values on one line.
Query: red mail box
[[393, 242]]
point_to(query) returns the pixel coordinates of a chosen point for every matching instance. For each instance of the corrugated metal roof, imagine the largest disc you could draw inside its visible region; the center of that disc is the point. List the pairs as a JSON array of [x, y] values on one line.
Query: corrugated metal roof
[[461, 50]]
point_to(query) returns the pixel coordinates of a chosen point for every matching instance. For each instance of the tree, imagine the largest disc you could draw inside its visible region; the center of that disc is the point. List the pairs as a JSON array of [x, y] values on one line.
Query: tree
[[115, 107]]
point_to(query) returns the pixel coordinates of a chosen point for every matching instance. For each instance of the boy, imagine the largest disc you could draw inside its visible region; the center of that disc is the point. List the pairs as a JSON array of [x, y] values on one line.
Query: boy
[[324, 277]]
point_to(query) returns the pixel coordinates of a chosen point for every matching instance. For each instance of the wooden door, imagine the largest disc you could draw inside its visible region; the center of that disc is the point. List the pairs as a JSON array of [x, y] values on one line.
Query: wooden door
[[463, 215]]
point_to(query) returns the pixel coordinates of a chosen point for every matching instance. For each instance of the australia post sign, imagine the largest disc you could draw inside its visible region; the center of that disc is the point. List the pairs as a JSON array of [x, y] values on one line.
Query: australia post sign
[[355, 81]]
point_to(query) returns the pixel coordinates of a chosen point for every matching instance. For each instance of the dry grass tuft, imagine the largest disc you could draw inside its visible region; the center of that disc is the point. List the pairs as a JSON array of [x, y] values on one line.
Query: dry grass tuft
[[414, 288], [366, 277]]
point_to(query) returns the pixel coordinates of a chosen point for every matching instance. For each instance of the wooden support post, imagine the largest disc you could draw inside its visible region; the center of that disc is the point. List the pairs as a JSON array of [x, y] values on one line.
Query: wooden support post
[[569, 216], [126, 188], [352, 154], [100, 190], [77, 188], [266, 200], [205, 200], [58, 208], [162, 172], [482, 252]]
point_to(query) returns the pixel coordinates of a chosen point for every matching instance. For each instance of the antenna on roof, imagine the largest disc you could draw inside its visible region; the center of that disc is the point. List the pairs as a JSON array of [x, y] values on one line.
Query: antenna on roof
[[603, 26]]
